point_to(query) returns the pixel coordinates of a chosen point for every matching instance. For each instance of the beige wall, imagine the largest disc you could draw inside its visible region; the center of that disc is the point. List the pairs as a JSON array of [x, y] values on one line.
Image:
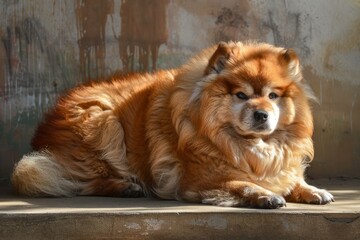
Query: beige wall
[[48, 46]]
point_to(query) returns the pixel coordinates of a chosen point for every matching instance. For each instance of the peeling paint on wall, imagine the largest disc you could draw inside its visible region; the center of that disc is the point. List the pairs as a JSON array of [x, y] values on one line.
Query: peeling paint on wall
[[91, 16], [143, 30]]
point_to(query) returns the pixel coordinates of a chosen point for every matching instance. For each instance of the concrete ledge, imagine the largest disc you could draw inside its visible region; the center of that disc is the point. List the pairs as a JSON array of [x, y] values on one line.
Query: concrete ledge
[[116, 218]]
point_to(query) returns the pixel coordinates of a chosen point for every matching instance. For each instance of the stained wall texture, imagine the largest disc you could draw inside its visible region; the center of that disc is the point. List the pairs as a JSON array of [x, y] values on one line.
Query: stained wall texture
[[48, 46]]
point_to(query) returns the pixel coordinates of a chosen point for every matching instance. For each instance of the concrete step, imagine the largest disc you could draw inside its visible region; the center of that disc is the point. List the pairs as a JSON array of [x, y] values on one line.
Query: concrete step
[[116, 218]]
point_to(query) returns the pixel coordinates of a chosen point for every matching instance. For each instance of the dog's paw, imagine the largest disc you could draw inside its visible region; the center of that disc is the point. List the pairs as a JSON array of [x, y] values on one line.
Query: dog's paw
[[270, 202], [132, 191], [304, 193], [318, 196], [258, 199]]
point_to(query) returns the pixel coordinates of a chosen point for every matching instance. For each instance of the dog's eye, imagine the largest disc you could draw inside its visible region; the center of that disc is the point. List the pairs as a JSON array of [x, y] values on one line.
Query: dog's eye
[[242, 96], [273, 95]]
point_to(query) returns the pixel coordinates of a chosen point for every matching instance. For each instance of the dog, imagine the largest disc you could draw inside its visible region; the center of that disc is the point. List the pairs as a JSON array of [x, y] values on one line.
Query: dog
[[232, 127]]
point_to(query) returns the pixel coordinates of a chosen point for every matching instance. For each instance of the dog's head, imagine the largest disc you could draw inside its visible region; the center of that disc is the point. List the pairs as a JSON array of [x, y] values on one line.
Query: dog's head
[[257, 78], [248, 89]]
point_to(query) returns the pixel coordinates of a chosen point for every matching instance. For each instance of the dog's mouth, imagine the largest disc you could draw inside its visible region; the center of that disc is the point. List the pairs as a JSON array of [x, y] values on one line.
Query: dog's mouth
[[262, 129], [255, 130]]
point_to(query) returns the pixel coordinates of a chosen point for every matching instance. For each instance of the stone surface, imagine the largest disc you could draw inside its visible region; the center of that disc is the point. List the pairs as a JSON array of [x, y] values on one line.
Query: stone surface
[[111, 218]]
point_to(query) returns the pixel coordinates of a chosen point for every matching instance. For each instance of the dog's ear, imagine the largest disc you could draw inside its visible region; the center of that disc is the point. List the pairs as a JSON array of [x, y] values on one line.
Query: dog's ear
[[218, 60], [290, 61]]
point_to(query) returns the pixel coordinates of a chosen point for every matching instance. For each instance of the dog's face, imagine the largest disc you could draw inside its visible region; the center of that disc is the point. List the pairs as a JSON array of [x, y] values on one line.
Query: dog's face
[[249, 90], [255, 112], [258, 88]]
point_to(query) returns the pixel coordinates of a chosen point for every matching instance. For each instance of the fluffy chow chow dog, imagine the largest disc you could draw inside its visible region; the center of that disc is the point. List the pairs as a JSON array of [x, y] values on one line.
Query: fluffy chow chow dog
[[232, 127]]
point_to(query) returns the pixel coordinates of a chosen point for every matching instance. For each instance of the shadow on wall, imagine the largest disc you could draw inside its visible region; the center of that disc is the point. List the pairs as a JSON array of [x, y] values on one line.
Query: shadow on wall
[[274, 24]]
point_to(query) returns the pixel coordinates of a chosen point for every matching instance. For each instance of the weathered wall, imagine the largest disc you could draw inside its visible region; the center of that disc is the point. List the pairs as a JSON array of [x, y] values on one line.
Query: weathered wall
[[48, 46]]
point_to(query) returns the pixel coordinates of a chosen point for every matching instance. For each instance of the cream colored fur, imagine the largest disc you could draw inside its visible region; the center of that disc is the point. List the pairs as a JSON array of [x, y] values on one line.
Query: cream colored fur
[[38, 174]]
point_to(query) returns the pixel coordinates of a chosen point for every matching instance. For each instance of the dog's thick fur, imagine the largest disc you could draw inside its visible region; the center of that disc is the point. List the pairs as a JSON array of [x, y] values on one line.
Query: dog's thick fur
[[232, 127]]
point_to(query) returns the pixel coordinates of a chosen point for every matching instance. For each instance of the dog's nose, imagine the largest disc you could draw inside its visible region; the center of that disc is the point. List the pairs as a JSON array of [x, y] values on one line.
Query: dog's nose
[[260, 116]]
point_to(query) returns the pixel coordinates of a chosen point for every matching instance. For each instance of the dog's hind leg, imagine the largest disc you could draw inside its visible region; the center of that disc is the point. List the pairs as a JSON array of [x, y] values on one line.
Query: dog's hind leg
[[39, 175], [112, 187]]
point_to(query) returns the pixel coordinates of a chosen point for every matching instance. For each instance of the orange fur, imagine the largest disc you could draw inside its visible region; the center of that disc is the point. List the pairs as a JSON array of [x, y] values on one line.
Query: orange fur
[[232, 127]]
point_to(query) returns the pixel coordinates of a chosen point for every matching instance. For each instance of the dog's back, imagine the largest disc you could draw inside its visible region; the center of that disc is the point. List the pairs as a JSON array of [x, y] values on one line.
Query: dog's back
[[80, 146]]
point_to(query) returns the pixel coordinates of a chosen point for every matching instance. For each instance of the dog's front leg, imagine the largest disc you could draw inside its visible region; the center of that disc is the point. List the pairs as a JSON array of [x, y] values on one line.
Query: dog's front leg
[[242, 194], [305, 193]]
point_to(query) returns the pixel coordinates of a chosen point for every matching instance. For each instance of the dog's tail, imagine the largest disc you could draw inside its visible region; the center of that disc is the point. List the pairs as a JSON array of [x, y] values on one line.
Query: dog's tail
[[38, 174]]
